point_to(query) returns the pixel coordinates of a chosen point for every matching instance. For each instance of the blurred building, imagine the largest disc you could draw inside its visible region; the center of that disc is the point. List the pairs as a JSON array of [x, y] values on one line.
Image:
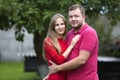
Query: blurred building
[[12, 50]]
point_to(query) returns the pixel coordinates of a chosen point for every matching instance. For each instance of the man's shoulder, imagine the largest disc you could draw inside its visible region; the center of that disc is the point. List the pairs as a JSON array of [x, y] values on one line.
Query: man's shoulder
[[89, 29]]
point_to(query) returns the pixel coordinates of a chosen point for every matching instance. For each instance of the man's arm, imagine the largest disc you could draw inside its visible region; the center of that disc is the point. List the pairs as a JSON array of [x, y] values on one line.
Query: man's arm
[[72, 64]]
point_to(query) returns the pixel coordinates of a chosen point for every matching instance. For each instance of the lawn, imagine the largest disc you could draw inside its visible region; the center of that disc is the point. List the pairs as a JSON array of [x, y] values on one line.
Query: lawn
[[15, 71]]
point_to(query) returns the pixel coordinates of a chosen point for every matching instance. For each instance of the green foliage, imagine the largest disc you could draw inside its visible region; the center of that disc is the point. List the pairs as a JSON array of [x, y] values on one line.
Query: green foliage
[[106, 39], [34, 15]]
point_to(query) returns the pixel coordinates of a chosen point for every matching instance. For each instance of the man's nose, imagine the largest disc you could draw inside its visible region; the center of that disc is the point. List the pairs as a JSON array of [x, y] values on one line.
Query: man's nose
[[73, 18]]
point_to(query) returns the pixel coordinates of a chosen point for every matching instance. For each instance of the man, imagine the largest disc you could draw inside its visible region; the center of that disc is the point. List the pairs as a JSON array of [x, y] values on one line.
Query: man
[[82, 62]]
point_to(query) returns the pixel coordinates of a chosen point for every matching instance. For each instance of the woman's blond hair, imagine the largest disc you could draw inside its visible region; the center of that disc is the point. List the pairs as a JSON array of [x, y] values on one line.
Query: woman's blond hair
[[52, 34]]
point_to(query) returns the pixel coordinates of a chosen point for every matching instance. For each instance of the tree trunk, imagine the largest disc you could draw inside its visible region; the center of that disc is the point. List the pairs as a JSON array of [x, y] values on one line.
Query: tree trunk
[[38, 44]]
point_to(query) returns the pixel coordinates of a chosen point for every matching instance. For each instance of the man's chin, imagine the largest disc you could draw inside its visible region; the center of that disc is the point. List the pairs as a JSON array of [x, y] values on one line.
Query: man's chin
[[74, 26]]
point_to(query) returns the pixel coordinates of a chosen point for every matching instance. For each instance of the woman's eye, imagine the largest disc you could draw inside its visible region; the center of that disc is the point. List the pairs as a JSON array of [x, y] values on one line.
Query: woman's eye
[[62, 23]]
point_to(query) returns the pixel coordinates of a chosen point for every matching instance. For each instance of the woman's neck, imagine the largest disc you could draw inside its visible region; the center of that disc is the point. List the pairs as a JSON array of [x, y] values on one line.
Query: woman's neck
[[60, 36]]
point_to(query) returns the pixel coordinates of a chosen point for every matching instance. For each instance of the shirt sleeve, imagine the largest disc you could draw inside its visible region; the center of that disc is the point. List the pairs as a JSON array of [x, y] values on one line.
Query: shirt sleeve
[[88, 42], [52, 53]]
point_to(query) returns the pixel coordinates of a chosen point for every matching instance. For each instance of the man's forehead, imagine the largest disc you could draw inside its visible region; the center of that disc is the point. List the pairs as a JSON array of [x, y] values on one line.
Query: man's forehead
[[75, 11]]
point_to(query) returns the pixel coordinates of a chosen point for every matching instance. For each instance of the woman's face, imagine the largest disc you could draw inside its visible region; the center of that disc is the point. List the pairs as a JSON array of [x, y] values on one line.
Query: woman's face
[[59, 26]]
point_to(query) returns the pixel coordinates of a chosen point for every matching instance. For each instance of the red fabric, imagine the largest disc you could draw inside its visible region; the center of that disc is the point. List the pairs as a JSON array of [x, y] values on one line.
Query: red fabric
[[52, 54], [88, 41]]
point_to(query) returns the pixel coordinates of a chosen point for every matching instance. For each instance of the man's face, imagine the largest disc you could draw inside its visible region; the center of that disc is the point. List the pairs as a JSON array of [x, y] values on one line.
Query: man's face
[[75, 18]]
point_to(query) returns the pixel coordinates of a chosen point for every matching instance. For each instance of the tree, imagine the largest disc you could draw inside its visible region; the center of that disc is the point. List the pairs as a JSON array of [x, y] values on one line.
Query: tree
[[34, 16]]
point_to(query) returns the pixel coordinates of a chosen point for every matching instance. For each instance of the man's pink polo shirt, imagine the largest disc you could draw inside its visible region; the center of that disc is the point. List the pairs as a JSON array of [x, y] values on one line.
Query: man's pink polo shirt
[[89, 42]]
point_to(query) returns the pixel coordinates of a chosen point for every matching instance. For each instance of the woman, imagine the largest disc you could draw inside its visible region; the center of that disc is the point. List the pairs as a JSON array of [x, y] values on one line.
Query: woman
[[55, 48]]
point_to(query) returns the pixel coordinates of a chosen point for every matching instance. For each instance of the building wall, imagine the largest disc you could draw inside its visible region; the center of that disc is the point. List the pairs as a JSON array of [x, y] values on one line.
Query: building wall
[[12, 50]]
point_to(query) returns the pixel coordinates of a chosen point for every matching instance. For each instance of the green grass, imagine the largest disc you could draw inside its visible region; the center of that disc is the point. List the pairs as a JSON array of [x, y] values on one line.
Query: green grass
[[15, 71]]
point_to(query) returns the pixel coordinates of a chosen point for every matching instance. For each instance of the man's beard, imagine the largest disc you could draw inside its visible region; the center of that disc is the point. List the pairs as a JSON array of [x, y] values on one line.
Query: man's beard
[[78, 26]]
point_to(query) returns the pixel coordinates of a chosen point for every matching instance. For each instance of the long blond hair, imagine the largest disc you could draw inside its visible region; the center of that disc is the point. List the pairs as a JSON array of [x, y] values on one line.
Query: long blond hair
[[53, 35]]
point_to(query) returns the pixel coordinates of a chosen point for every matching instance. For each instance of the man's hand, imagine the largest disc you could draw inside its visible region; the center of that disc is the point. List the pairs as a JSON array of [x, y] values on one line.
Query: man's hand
[[53, 68]]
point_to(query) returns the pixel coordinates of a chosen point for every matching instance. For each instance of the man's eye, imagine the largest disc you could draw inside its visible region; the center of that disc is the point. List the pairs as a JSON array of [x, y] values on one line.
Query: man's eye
[[76, 16], [70, 16]]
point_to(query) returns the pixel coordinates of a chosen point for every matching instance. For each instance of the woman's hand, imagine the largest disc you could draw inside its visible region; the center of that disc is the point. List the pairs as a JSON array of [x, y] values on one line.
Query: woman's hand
[[74, 40]]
